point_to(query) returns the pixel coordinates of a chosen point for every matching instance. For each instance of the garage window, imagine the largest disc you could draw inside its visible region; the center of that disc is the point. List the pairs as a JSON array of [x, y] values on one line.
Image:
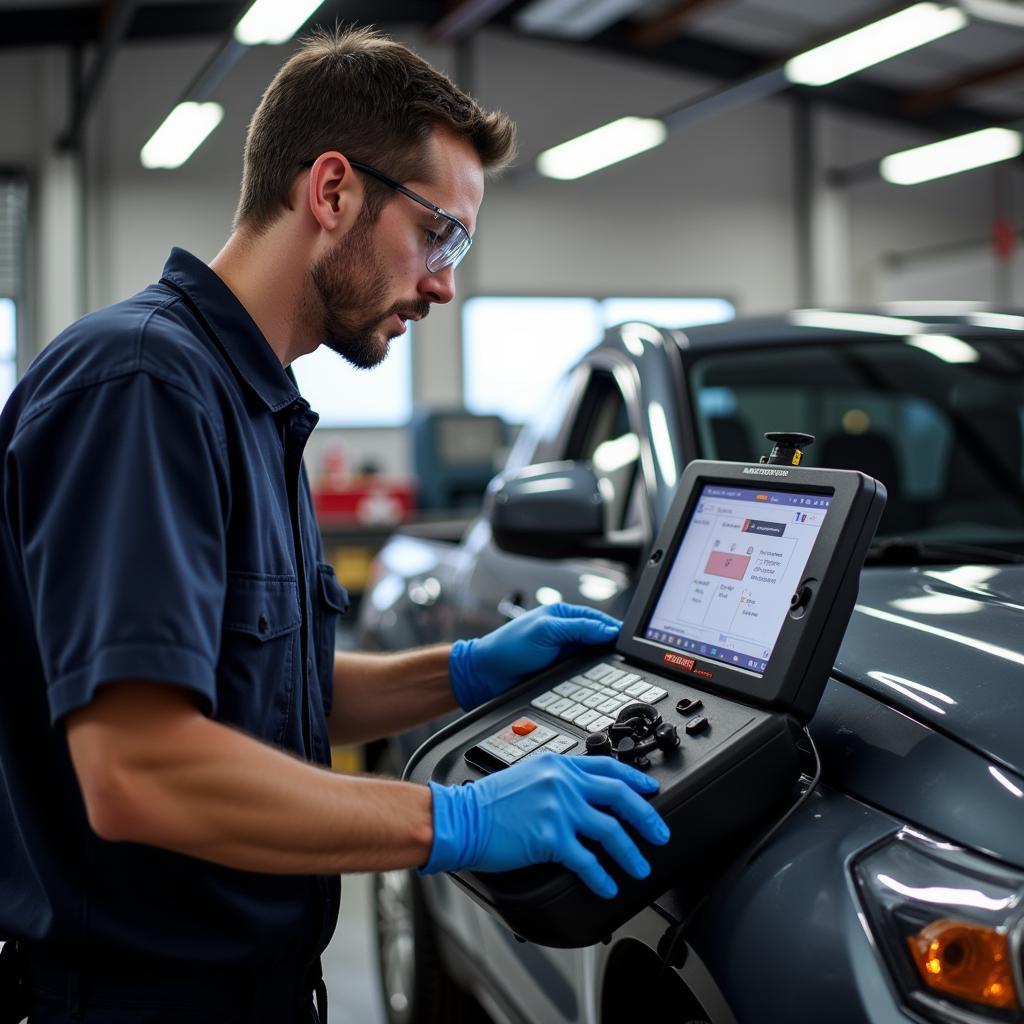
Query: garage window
[[8, 347], [345, 396], [13, 242], [603, 436], [515, 348]]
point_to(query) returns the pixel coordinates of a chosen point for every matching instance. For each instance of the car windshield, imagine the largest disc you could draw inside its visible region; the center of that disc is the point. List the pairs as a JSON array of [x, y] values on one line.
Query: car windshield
[[938, 421]]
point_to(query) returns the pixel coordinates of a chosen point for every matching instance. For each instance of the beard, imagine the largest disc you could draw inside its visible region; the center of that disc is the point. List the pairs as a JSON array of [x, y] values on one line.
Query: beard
[[352, 284]]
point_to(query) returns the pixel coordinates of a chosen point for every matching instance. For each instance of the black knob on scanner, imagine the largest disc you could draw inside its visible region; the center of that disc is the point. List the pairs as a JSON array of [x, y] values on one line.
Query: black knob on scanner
[[666, 736], [638, 731], [627, 750], [634, 752]]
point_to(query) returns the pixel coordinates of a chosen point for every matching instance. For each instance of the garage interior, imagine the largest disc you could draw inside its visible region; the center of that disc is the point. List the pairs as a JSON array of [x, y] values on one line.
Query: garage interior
[[762, 194]]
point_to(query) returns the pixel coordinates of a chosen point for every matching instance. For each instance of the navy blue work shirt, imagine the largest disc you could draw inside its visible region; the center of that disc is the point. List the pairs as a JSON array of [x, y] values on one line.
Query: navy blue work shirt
[[157, 525]]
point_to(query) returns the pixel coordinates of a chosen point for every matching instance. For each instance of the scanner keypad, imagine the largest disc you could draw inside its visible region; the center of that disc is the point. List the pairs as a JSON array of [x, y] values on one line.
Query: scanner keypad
[[592, 700], [517, 740]]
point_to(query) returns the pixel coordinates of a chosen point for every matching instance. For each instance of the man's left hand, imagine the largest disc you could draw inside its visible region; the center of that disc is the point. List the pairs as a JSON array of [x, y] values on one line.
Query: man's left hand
[[486, 667]]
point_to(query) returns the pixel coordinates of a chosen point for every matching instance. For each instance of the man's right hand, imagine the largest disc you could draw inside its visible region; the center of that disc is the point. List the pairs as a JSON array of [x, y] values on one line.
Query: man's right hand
[[536, 811]]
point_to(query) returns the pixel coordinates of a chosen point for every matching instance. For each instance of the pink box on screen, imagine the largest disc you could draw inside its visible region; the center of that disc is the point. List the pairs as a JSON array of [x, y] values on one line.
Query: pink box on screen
[[731, 566]]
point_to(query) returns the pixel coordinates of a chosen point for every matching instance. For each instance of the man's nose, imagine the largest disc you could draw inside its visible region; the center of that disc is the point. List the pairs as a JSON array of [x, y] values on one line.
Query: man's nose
[[438, 286]]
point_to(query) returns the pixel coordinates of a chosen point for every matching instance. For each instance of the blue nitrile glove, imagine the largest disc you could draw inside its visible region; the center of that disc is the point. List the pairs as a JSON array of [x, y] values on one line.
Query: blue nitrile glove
[[483, 668], [536, 810]]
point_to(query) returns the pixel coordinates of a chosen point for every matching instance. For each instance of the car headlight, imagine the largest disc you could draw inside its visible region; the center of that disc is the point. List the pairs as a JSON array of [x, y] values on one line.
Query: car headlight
[[947, 923]]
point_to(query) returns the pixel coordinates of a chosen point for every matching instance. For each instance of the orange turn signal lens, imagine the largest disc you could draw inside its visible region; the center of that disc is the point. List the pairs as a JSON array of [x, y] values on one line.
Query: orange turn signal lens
[[965, 960]]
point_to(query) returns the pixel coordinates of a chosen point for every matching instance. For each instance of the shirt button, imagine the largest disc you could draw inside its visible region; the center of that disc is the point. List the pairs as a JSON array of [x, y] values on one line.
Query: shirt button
[[263, 624]]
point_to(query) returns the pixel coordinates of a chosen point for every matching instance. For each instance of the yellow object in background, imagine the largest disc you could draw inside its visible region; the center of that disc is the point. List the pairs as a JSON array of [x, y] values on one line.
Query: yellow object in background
[[352, 565], [347, 759]]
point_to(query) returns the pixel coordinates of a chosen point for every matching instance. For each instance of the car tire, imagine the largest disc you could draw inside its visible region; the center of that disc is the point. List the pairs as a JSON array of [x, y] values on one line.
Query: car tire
[[416, 987]]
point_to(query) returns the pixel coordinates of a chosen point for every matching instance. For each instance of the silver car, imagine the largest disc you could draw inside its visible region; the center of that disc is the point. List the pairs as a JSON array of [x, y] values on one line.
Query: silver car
[[894, 893]]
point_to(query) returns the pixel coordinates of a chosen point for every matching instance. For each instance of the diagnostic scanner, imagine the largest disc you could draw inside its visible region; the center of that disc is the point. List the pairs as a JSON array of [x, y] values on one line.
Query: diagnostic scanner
[[724, 653]]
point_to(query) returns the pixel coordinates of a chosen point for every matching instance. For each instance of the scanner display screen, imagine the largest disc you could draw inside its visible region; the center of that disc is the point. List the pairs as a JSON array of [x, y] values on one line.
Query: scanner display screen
[[741, 559]]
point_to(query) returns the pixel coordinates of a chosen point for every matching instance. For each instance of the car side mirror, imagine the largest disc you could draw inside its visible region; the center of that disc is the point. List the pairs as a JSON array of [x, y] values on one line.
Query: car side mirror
[[557, 510]]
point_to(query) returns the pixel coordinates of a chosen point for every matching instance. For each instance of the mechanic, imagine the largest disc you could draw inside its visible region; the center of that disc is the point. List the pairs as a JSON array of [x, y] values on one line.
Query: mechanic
[[171, 840]]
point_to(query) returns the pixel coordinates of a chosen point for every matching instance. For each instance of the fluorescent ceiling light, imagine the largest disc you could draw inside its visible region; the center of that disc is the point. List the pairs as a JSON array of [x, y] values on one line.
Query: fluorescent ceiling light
[[888, 37], [274, 21], [573, 19], [945, 347], [951, 156], [829, 320], [1004, 12], [603, 146], [181, 134]]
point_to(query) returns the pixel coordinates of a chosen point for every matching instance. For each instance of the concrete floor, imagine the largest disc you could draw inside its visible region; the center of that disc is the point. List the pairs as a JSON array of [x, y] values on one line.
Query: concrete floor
[[350, 961]]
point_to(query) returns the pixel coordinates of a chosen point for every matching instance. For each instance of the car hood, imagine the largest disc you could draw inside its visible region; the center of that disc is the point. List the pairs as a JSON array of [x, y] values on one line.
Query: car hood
[[945, 646]]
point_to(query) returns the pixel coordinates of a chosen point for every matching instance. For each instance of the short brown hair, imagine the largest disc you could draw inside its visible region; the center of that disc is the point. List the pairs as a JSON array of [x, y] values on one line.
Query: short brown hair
[[373, 99]]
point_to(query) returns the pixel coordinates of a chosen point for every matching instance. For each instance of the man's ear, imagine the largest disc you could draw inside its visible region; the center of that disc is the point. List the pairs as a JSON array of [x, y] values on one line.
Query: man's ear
[[334, 193]]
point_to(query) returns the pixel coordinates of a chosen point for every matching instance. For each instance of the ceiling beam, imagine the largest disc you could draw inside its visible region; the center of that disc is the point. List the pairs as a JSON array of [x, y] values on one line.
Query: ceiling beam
[[749, 75], [926, 100], [118, 16], [755, 78], [210, 18], [465, 18], [56, 26], [670, 23], [83, 25]]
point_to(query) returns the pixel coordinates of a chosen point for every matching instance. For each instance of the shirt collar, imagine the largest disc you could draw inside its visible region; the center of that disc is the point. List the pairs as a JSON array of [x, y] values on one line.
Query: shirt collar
[[232, 328]]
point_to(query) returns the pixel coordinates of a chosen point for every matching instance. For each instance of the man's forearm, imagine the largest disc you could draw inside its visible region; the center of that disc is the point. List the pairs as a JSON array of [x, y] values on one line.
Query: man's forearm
[[155, 771], [379, 694]]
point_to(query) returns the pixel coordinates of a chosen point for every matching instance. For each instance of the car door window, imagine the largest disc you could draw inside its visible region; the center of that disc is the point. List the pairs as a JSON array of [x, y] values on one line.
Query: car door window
[[603, 435], [538, 439]]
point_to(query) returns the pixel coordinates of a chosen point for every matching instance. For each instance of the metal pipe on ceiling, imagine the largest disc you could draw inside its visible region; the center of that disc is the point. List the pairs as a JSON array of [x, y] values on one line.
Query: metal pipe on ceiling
[[120, 14]]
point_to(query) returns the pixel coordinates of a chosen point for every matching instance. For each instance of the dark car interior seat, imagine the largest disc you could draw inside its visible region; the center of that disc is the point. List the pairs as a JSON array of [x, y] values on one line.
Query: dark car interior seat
[[873, 454], [983, 474], [732, 439]]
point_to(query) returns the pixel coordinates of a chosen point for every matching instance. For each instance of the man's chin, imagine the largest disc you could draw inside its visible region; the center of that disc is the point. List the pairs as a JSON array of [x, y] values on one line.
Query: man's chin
[[365, 352]]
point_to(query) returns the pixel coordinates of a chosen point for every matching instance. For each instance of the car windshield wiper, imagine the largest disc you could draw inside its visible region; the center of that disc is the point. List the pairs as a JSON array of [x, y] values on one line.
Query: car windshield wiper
[[901, 551]]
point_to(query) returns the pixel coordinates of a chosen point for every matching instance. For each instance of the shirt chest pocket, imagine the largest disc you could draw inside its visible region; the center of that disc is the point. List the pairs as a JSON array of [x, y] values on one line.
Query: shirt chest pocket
[[259, 667], [332, 601]]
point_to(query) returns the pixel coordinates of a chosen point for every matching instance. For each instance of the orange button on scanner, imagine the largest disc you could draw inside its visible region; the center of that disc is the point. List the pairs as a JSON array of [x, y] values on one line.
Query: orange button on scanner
[[523, 727]]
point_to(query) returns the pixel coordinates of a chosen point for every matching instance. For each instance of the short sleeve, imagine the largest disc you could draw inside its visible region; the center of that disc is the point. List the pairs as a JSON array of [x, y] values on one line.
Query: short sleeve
[[118, 496]]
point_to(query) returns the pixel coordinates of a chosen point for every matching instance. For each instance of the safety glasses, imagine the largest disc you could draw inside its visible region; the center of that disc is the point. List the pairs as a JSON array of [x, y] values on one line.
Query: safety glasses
[[448, 244], [451, 240]]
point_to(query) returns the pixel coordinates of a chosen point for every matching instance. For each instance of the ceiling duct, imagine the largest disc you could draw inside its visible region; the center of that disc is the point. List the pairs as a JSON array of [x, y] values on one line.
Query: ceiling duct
[[573, 19]]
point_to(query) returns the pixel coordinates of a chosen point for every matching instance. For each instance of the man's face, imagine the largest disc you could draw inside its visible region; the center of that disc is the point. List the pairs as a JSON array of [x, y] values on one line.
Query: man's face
[[376, 278]]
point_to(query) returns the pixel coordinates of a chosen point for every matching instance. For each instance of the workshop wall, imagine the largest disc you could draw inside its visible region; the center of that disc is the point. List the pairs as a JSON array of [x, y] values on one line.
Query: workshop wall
[[707, 212], [884, 220]]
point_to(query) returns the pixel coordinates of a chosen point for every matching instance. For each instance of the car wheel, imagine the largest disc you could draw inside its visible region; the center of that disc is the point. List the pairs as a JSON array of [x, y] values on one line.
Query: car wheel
[[415, 985]]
